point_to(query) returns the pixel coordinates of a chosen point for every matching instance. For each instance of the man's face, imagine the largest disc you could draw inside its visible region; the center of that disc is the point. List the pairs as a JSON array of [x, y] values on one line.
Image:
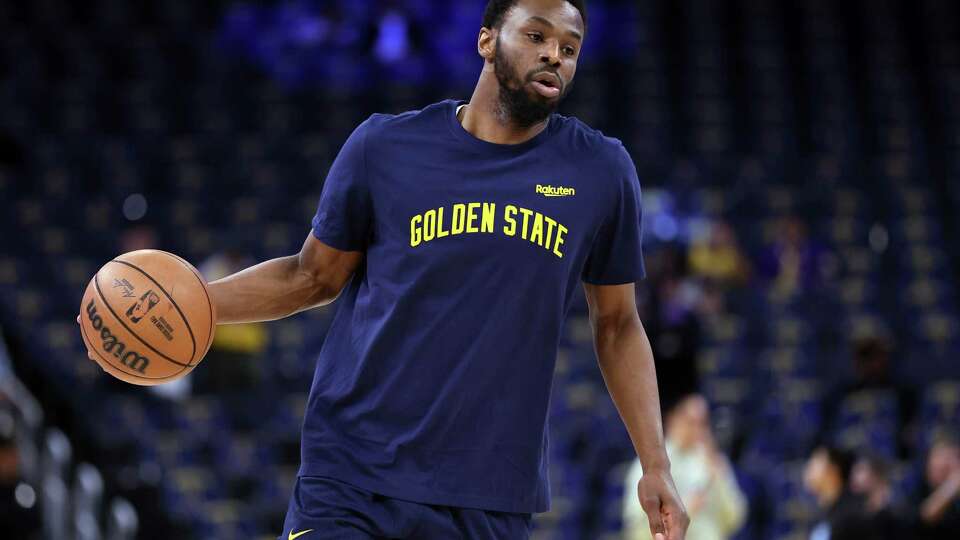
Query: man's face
[[863, 478], [690, 423], [942, 461], [815, 471], [536, 58]]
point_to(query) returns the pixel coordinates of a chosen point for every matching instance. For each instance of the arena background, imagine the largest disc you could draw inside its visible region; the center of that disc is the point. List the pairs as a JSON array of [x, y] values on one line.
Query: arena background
[[827, 130]]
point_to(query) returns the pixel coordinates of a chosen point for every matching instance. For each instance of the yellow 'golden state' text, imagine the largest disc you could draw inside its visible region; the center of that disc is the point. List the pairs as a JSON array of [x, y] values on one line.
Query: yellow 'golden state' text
[[479, 218]]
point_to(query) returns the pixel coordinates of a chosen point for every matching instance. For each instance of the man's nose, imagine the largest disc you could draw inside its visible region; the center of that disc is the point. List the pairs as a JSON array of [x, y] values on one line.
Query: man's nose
[[550, 54]]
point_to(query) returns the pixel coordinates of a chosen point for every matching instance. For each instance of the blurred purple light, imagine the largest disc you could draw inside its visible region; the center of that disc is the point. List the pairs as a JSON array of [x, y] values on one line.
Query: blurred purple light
[[392, 43]]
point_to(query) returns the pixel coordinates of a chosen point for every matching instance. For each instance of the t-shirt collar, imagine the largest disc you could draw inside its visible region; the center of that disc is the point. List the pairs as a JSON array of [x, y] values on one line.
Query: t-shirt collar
[[467, 138]]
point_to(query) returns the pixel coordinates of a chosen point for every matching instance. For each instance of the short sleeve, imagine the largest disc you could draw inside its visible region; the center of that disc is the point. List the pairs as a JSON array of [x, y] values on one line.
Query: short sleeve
[[345, 213], [616, 256]]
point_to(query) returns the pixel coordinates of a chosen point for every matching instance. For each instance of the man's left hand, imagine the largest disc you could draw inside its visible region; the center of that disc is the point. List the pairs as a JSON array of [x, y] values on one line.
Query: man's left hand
[[665, 511]]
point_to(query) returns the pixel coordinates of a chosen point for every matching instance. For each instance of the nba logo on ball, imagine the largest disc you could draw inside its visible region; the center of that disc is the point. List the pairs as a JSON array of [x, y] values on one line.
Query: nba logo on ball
[[143, 306]]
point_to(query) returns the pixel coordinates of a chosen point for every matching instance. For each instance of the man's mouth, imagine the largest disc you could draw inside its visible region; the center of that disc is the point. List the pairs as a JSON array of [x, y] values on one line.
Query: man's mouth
[[547, 84]]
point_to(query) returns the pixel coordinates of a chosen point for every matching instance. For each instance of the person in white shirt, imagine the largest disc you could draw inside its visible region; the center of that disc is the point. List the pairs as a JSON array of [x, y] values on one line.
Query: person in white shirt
[[703, 476]]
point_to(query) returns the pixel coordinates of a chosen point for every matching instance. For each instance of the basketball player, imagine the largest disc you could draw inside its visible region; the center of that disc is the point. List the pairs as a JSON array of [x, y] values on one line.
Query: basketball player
[[455, 237]]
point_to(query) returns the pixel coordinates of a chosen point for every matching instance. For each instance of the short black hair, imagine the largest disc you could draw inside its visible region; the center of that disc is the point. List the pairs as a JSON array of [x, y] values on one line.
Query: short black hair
[[878, 464], [842, 459], [496, 10]]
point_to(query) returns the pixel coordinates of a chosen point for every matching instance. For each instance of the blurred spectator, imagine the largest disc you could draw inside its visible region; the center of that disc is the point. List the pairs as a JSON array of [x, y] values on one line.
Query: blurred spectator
[[138, 237], [703, 475], [872, 373], [19, 517], [870, 479], [674, 328], [233, 363], [844, 514], [940, 508], [717, 259], [793, 263]]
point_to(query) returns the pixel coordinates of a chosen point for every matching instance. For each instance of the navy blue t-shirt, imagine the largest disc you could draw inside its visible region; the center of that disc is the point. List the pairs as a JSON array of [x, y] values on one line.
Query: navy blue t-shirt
[[434, 380]]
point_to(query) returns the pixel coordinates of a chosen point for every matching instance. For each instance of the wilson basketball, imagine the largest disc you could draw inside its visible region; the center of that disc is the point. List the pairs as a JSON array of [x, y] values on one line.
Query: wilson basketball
[[146, 317]]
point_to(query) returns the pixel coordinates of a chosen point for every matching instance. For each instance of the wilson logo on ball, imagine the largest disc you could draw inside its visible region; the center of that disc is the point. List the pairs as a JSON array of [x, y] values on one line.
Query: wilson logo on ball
[[143, 306], [111, 345]]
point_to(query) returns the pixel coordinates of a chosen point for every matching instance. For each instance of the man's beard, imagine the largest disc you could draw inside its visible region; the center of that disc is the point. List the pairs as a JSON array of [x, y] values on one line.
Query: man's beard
[[516, 103]]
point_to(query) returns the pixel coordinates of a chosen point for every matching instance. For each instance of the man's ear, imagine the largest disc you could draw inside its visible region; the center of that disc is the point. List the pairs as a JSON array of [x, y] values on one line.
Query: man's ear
[[487, 43]]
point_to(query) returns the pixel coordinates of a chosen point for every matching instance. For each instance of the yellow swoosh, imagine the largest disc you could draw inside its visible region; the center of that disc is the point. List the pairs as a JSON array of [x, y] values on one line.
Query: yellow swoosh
[[292, 536]]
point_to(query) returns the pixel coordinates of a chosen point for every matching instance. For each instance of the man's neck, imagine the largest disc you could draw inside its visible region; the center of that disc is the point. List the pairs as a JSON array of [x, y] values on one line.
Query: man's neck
[[484, 118]]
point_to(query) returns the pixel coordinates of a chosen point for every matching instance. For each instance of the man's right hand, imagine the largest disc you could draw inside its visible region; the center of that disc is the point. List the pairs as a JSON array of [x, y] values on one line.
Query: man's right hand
[[89, 353]]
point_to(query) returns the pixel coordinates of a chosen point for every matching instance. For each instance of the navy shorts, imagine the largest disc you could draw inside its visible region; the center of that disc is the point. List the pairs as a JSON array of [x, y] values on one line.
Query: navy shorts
[[333, 510]]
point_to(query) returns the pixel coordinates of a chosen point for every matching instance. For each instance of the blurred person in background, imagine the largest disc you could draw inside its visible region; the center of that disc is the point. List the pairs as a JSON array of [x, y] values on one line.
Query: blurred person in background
[[232, 365], [19, 512], [138, 237], [870, 479], [843, 513], [939, 504], [704, 478], [872, 373], [674, 324], [716, 257], [793, 263]]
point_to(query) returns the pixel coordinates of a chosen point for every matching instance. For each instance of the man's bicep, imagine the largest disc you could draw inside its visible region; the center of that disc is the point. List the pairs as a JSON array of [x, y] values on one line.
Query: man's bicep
[[327, 265], [611, 303]]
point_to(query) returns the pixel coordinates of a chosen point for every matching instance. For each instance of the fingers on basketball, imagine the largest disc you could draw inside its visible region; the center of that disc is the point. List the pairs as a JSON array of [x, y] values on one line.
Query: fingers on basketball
[[89, 354]]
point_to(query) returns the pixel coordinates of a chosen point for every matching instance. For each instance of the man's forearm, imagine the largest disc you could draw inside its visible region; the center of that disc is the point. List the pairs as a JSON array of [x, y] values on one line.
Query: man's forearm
[[626, 361], [270, 290]]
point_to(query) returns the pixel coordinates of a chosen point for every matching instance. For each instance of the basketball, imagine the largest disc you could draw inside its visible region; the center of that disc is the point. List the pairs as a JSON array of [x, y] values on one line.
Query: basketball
[[146, 317]]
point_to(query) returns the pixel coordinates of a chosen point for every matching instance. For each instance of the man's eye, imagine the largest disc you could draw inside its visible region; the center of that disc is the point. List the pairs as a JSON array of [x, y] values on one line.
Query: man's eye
[[535, 36], [569, 51]]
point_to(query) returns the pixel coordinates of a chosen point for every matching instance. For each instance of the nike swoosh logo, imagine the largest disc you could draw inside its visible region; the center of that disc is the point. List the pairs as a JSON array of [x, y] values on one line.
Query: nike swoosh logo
[[291, 536]]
